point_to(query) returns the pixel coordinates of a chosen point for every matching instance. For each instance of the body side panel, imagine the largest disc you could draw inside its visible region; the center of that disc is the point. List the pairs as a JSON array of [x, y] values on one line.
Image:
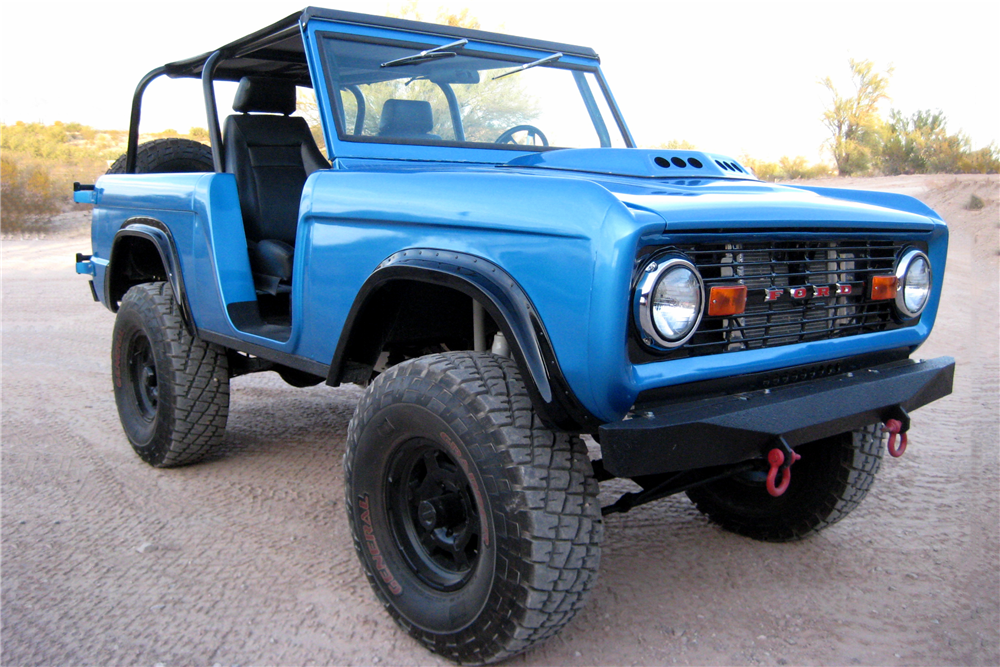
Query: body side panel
[[569, 242], [355, 220]]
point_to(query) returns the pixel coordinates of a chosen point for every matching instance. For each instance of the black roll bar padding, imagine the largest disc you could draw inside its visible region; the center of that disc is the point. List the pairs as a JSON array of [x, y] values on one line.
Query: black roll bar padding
[[214, 131], [133, 127]]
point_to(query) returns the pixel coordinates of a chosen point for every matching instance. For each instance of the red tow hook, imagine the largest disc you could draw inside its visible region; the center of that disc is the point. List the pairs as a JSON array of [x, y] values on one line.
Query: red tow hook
[[776, 458], [894, 426]]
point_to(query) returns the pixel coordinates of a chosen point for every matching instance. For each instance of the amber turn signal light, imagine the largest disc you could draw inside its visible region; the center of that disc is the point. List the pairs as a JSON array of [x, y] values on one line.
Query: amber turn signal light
[[730, 300], [883, 287]]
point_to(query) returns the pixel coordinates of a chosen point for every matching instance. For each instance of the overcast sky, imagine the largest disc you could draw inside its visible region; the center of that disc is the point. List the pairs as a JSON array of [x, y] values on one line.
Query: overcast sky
[[730, 77]]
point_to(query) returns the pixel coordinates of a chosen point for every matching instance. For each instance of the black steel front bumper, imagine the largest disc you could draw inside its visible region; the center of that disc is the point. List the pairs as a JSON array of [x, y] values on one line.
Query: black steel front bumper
[[685, 435]]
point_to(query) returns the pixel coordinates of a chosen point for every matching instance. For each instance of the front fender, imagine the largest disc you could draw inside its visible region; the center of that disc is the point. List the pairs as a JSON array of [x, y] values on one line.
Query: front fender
[[509, 306], [890, 200]]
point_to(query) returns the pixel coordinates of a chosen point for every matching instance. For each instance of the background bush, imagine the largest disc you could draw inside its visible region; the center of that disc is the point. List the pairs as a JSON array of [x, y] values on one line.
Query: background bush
[[41, 162], [28, 195], [786, 168], [863, 143]]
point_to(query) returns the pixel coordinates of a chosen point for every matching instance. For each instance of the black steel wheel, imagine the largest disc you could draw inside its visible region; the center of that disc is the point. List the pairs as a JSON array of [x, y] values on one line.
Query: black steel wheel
[[433, 514], [172, 389], [827, 483], [142, 375], [478, 528]]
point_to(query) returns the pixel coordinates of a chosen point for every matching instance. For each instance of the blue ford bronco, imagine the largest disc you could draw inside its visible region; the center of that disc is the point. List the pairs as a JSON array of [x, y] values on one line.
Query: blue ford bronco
[[471, 234]]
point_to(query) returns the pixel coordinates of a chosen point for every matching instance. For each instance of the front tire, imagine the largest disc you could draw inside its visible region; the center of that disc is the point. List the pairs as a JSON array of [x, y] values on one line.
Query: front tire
[[828, 483], [478, 528], [172, 389]]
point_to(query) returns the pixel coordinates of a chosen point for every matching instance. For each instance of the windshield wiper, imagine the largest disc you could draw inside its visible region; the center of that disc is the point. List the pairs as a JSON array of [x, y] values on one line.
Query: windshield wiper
[[429, 54], [542, 61]]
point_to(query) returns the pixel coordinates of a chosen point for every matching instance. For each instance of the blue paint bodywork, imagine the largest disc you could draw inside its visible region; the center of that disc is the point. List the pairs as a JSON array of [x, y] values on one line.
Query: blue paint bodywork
[[565, 224]]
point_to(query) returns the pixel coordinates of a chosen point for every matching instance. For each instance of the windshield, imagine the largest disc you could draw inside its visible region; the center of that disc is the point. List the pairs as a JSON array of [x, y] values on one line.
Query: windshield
[[453, 95]]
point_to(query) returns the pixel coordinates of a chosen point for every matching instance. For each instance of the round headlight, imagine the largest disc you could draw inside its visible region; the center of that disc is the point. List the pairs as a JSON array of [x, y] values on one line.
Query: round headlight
[[913, 283], [669, 301]]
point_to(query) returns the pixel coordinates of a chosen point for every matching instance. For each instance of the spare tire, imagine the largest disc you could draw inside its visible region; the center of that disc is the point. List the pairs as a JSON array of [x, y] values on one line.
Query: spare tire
[[168, 156]]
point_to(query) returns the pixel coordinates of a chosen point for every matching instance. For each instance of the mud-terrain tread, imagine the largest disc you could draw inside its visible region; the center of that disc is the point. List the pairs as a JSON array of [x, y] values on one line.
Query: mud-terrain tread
[[556, 528], [170, 155], [856, 461], [198, 376]]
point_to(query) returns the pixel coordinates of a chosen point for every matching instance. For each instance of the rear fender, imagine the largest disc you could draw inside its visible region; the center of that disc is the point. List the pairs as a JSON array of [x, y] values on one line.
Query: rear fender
[[143, 250]]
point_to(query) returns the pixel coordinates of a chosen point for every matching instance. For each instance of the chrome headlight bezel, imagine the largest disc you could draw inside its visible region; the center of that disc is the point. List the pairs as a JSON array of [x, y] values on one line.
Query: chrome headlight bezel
[[903, 266], [652, 273]]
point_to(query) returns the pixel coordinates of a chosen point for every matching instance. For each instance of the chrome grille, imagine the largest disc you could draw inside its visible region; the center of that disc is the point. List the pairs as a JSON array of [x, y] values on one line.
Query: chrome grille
[[790, 266]]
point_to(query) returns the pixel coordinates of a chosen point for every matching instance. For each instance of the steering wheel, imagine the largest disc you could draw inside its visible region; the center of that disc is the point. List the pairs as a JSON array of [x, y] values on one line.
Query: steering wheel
[[533, 133]]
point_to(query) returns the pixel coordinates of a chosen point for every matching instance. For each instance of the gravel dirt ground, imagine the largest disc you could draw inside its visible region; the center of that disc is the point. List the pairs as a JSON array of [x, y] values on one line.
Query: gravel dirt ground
[[247, 559]]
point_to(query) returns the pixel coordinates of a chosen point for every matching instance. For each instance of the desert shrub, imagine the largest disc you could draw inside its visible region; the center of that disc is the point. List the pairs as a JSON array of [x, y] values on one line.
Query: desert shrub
[[984, 161], [921, 144], [675, 144], [29, 196], [795, 168], [40, 163], [975, 203], [786, 168], [63, 143], [765, 171]]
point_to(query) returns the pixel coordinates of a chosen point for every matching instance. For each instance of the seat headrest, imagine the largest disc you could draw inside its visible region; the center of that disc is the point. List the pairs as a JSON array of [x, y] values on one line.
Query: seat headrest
[[264, 95], [406, 117]]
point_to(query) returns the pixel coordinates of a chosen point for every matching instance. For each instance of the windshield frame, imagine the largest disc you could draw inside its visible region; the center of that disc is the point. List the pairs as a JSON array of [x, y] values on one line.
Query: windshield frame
[[344, 144]]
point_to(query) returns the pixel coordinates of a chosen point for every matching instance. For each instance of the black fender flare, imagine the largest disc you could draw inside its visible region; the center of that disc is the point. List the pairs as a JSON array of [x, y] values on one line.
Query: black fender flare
[[159, 235], [509, 306]]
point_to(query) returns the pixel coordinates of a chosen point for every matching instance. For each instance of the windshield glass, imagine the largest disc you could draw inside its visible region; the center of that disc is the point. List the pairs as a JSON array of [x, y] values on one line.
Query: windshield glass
[[397, 94]]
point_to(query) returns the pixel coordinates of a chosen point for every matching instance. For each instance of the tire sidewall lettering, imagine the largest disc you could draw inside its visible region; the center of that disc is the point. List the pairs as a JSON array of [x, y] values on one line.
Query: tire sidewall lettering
[[370, 541], [380, 437]]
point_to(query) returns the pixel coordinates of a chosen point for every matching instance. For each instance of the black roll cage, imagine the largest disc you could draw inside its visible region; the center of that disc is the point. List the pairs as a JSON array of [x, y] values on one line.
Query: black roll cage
[[211, 109], [278, 51]]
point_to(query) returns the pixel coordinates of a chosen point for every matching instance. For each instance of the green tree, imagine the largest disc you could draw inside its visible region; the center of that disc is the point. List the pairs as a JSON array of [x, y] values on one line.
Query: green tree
[[853, 120]]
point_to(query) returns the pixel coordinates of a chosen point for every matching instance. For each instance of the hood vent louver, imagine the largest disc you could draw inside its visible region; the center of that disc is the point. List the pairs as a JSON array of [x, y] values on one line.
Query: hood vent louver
[[657, 163], [678, 162], [731, 166]]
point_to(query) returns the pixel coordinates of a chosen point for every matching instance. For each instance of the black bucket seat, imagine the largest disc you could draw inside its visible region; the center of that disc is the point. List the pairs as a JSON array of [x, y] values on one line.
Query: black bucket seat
[[407, 119], [271, 154]]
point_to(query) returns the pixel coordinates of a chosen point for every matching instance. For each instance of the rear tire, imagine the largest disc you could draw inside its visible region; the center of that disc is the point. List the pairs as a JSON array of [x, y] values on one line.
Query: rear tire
[[168, 156], [172, 389], [478, 528], [828, 483]]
